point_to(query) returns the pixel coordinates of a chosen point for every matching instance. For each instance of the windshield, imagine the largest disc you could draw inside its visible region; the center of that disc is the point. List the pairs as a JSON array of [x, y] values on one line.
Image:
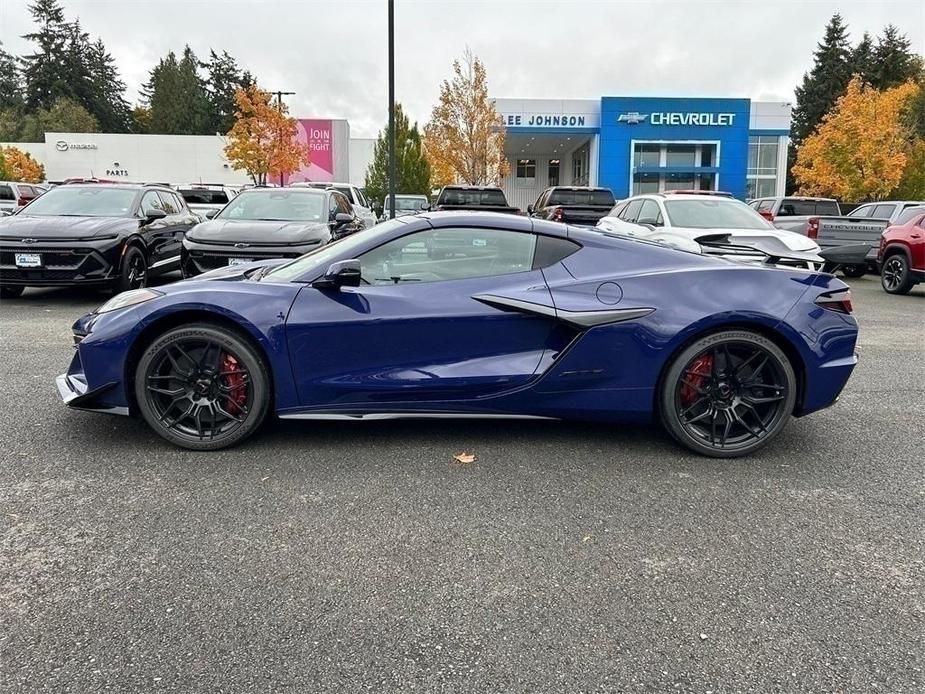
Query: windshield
[[908, 215], [204, 196], [713, 213], [461, 196], [74, 201], [407, 203], [316, 261], [581, 197], [276, 206]]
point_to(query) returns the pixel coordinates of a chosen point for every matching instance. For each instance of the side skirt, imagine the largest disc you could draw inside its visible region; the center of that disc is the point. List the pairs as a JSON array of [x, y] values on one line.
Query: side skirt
[[404, 415]]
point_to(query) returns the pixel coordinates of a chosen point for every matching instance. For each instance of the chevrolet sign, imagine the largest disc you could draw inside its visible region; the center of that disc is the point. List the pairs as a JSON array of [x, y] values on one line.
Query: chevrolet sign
[[632, 118], [701, 119]]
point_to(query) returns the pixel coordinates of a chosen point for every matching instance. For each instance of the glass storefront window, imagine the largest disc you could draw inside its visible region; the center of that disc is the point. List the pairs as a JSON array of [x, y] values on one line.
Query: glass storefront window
[[675, 181], [553, 172], [646, 183], [647, 155], [680, 155], [526, 168], [760, 188], [762, 155]]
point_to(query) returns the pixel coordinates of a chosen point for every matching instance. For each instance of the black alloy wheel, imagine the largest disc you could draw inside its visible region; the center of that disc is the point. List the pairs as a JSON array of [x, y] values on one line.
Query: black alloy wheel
[[134, 271], [895, 277], [728, 394], [202, 387], [9, 292]]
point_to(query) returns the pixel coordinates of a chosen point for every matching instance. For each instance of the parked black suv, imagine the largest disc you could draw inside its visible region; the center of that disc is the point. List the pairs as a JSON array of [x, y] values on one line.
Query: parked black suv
[[115, 235], [262, 223]]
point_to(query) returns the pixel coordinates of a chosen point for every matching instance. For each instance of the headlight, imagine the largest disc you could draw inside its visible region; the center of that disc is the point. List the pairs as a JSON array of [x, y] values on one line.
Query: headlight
[[129, 298]]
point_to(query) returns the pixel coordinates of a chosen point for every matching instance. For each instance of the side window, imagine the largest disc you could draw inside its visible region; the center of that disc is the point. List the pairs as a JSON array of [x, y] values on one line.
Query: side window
[[631, 211], [168, 202], [765, 206], [332, 206], [539, 204], [343, 206], [151, 201], [883, 211], [650, 214], [862, 211], [359, 197], [617, 209], [438, 255], [6, 193], [552, 249], [921, 223]]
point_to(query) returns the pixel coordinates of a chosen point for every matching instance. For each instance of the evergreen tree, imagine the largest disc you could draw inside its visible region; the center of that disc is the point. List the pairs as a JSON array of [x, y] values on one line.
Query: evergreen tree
[[893, 60], [46, 72], [224, 79], [64, 116], [862, 59], [412, 170], [107, 102], [10, 81], [176, 97], [826, 81]]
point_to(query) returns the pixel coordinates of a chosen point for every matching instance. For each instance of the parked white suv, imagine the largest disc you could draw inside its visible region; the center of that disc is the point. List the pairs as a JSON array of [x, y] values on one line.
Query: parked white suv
[[14, 195], [660, 216], [353, 194], [206, 199]]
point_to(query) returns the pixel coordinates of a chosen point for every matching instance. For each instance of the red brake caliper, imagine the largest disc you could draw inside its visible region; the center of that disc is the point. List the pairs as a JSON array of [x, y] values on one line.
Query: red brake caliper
[[695, 377], [234, 381]]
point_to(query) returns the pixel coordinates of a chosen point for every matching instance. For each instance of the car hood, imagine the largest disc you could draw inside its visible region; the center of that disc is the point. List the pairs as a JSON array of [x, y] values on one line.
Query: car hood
[[23, 226], [255, 232]]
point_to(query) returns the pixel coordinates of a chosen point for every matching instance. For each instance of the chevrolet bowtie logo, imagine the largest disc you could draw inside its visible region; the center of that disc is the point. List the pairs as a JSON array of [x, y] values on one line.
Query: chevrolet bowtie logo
[[240, 245], [632, 118], [30, 240]]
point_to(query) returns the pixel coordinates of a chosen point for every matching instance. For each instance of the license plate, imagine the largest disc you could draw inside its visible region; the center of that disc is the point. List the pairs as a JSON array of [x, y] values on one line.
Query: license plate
[[28, 260], [239, 261]]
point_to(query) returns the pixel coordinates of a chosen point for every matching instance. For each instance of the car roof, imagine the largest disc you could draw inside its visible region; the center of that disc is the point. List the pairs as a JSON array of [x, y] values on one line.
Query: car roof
[[794, 197], [302, 190], [497, 220], [467, 187]]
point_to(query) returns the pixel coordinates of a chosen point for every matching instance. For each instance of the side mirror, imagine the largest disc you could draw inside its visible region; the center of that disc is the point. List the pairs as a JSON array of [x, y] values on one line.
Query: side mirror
[[529, 209], [342, 218], [210, 214], [425, 206], [154, 215], [343, 273]]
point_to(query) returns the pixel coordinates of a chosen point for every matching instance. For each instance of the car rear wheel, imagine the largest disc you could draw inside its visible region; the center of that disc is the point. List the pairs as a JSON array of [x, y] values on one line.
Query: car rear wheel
[[202, 387], [728, 394], [134, 271], [895, 277], [854, 271], [11, 292]]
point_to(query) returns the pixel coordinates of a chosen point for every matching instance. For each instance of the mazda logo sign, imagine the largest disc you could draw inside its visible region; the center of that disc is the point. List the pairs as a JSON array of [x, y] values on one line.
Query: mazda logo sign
[[61, 146]]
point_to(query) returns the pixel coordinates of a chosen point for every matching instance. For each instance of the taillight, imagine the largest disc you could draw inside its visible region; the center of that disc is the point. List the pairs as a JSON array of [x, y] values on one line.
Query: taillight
[[812, 227], [22, 202], [839, 300], [558, 216], [767, 214]]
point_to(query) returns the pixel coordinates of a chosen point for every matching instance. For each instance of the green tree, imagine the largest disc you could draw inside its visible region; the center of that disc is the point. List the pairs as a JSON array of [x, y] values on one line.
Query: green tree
[[176, 96], [65, 116], [862, 58], [10, 81], [47, 71], [106, 101], [412, 170], [894, 62], [224, 78]]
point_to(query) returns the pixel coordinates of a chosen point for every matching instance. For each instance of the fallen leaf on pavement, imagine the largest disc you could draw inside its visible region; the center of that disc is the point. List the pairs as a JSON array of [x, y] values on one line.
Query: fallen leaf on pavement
[[464, 458]]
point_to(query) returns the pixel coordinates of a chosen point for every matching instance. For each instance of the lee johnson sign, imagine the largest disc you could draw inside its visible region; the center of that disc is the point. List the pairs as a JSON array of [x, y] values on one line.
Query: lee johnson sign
[[543, 120]]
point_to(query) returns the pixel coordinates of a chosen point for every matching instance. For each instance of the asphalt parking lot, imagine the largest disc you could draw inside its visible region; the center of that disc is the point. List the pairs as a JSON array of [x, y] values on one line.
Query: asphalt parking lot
[[360, 557]]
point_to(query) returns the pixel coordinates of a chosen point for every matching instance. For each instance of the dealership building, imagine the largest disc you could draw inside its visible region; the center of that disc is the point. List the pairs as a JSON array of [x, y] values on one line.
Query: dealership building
[[644, 145], [628, 144]]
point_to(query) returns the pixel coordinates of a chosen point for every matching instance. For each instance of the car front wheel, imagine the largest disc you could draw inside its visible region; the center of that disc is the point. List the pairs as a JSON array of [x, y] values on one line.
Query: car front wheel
[[134, 271], [895, 277], [202, 387], [728, 394]]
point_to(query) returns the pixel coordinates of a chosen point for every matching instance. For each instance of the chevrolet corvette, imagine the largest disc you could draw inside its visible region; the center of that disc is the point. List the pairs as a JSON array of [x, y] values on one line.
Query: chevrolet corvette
[[450, 314]]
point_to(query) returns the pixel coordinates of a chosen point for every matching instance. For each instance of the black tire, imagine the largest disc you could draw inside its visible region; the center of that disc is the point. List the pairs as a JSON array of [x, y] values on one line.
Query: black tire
[[133, 274], [202, 387], [854, 271], [11, 292], [895, 275], [750, 394]]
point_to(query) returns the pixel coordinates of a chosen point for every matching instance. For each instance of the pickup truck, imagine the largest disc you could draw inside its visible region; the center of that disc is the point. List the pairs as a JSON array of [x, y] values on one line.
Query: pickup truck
[[484, 198], [851, 242], [792, 213], [573, 204]]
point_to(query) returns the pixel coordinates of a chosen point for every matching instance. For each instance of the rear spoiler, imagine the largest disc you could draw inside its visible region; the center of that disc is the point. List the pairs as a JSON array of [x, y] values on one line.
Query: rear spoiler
[[773, 250]]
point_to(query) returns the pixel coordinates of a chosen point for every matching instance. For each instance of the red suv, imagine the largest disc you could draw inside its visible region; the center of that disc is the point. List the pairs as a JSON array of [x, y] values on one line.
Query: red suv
[[902, 252]]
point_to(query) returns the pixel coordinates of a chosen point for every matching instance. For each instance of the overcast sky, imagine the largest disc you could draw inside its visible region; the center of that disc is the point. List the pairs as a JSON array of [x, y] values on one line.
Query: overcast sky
[[333, 54]]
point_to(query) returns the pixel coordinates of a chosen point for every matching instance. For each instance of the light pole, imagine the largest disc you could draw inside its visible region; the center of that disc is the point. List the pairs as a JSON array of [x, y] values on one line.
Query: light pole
[[391, 109], [279, 109]]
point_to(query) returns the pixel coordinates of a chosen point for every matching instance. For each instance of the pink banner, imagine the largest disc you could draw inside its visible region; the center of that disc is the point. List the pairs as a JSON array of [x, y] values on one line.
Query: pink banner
[[319, 136]]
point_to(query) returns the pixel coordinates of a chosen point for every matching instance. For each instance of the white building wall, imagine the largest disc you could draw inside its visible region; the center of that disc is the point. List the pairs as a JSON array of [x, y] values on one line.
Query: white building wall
[[361, 156]]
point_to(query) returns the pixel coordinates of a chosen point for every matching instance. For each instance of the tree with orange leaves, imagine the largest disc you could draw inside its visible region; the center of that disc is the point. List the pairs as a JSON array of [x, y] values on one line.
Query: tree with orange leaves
[[16, 165], [861, 148], [262, 140], [464, 139]]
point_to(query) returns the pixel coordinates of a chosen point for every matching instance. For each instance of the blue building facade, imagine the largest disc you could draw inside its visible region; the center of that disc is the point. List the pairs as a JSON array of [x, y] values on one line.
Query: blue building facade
[[638, 145]]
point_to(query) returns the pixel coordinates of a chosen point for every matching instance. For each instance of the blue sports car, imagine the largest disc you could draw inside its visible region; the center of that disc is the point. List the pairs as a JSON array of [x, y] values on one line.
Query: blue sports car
[[474, 315]]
